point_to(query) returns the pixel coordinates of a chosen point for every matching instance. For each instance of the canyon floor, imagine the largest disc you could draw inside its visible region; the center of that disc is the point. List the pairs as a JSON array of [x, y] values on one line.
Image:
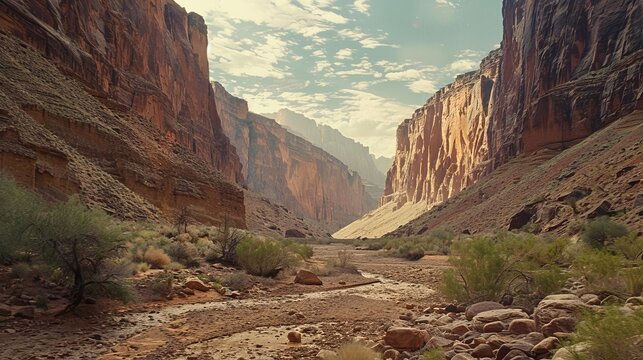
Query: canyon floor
[[254, 326]]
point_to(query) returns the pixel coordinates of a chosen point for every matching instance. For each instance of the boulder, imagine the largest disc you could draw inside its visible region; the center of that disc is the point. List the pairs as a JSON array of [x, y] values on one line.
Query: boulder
[[523, 347], [390, 354], [294, 337], [294, 233], [533, 338], [482, 350], [463, 356], [545, 346], [504, 315], [440, 342], [556, 306], [571, 352], [306, 277], [403, 338], [196, 284], [590, 299], [522, 326], [561, 324], [493, 327], [477, 308], [634, 301]]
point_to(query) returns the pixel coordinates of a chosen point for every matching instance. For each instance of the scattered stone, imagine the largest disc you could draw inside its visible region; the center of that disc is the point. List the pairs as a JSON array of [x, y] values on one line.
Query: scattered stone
[[294, 337], [493, 327], [611, 300], [325, 354], [294, 233], [440, 342], [187, 291], [571, 352], [482, 350], [402, 338], [590, 299], [25, 312], [463, 356], [477, 308], [504, 315], [196, 284], [523, 347], [533, 338], [306, 277], [545, 346], [522, 326], [556, 306], [391, 354], [635, 300], [561, 324]]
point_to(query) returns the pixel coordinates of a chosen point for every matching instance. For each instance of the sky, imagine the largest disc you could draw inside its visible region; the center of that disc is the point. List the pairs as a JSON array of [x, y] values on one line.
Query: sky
[[361, 66]]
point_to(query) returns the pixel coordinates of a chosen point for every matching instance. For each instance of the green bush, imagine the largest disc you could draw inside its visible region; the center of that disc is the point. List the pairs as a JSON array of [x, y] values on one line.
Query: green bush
[[597, 265], [630, 246], [433, 354], [601, 231], [264, 257], [611, 335], [411, 252], [303, 250], [184, 253], [548, 280], [226, 242], [162, 283], [21, 270], [238, 281]]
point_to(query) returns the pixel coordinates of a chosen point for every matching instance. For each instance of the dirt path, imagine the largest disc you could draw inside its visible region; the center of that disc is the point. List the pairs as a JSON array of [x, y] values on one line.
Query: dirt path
[[253, 328]]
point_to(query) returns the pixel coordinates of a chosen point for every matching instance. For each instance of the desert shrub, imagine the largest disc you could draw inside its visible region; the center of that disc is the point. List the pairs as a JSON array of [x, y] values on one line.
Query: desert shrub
[[173, 266], [264, 257], [632, 280], [184, 253], [630, 246], [161, 284], [21, 270], [545, 251], [606, 272], [182, 218], [354, 351], [238, 281], [19, 211], [575, 227], [344, 259], [596, 265], [156, 258], [141, 268], [601, 231], [226, 242], [433, 354], [42, 302], [548, 280], [303, 250], [611, 335], [411, 252]]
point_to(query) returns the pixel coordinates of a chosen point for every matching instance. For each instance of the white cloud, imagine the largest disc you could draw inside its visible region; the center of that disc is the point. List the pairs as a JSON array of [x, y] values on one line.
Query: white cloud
[[445, 3], [423, 87], [410, 74], [361, 6], [260, 58], [344, 53], [463, 65]]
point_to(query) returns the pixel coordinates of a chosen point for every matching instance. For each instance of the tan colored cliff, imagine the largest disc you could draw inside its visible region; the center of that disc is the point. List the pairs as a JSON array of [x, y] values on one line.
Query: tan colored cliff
[[289, 170], [565, 70], [111, 100]]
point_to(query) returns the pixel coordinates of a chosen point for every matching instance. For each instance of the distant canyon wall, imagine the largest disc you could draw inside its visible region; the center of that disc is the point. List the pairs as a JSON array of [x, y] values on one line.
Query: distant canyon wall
[[139, 113], [290, 170]]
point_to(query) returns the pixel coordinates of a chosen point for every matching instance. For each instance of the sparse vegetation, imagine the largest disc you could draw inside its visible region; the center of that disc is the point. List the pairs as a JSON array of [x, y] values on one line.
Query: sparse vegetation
[[227, 240], [161, 284], [185, 253], [264, 257], [156, 258], [238, 281], [600, 232], [611, 335], [433, 354]]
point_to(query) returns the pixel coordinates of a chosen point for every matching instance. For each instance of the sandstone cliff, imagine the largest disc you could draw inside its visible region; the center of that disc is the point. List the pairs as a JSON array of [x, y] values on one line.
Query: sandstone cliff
[[565, 70], [290, 170], [111, 99], [348, 151]]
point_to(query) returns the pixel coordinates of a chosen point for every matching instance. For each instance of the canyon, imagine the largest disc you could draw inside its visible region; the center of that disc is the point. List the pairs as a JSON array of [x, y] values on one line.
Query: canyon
[[289, 170], [355, 155], [565, 70]]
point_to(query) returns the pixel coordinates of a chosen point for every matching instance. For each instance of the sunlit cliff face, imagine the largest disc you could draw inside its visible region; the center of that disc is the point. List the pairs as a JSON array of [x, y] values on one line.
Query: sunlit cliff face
[[360, 66]]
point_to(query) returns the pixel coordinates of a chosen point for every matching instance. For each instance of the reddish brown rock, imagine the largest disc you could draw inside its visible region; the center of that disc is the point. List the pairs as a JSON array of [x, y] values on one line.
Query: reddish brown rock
[[406, 338], [112, 100], [306, 277], [545, 346], [482, 350], [477, 308], [290, 170], [196, 284], [522, 326], [561, 324], [294, 337]]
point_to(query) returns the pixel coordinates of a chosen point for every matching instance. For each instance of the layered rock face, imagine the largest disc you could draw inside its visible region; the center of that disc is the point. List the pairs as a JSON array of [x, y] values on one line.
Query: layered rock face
[[290, 170], [565, 70], [348, 151], [111, 100]]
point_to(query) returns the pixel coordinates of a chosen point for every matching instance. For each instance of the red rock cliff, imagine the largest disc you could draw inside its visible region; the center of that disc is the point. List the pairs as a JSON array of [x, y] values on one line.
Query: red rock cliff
[[290, 170], [565, 70], [111, 99]]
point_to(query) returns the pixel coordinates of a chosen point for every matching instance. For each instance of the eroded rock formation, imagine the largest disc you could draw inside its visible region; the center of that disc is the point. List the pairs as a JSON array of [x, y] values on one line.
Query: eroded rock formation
[[111, 99], [565, 70], [290, 170]]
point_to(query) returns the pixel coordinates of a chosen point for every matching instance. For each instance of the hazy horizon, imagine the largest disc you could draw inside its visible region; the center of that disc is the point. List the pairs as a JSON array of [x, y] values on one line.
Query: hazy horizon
[[359, 66]]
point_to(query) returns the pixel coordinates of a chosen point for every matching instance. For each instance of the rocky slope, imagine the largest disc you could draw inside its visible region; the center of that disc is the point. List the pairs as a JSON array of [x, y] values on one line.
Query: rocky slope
[[565, 70], [289, 170], [348, 151], [112, 100]]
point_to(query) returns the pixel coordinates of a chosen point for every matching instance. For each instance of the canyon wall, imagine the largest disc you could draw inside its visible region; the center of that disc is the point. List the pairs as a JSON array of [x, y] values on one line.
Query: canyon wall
[[565, 70], [111, 100], [348, 151], [290, 170]]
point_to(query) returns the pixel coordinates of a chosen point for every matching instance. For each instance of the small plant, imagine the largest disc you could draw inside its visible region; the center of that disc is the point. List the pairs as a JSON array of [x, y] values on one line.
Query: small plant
[[344, 259], [182, 219], [184, 253], [354, 351], [630, 246], [21, 270], [601, 231], [162, 284], [411, 252], [227, 240], [548, 280], [611, 335], [156, 258], [264, 257], [42, 302], [238, 281], [433, 354]]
